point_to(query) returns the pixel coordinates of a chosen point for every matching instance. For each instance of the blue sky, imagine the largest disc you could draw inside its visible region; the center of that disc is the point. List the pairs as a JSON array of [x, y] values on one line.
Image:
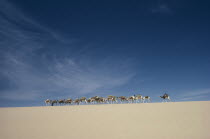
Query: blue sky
[[61, 49]]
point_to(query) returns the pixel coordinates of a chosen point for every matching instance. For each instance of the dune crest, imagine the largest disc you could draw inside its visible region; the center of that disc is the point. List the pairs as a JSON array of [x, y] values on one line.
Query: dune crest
[[175, 120]]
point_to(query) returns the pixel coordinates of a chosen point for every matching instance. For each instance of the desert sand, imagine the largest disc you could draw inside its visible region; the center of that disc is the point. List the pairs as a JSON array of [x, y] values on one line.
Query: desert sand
[[175, 120]]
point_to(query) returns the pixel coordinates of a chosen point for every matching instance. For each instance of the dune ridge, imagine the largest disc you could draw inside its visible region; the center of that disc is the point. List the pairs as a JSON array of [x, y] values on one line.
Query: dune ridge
[[174, 120]]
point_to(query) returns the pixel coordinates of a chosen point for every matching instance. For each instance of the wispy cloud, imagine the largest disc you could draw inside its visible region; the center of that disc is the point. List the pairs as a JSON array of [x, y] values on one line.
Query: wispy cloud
[[194, 95], [63, 77], [161, 8], [33, 66], [16, 25], [88, 78]]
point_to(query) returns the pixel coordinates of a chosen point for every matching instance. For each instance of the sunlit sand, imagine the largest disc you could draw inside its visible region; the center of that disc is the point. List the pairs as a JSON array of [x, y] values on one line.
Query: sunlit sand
[[175, 120]]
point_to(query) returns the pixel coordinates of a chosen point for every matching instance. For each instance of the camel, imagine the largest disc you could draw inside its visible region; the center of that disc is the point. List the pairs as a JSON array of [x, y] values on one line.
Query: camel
[[123, 99], [62, 101], [101, 100], [146, 98], [54, 102], [47, 101], [115, 100], [68, 101], [77, 101], [131, 99], [112, 99], [109, 100], [90, 100], [139, 97], [94, 99], [165, 97], [98, 99], [83, 99]]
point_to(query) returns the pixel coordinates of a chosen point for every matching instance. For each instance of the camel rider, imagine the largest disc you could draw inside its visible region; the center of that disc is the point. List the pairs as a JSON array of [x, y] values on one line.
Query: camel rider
[[165, 95]]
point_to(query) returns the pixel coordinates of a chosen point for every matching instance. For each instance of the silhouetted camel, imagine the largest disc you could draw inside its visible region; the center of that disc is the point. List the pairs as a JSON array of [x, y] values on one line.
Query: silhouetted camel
[[165, 97], [47, 101], [146, 98]]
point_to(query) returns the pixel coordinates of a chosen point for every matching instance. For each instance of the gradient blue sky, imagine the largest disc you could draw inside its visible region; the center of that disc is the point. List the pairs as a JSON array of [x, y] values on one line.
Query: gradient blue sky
[[60, 49]]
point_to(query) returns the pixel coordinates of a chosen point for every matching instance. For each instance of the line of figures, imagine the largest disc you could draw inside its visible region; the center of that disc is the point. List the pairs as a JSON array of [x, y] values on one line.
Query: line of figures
[[102, 100]]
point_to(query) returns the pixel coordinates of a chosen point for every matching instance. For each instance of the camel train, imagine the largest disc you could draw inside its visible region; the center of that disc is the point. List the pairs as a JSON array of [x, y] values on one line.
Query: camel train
[[102, 100]]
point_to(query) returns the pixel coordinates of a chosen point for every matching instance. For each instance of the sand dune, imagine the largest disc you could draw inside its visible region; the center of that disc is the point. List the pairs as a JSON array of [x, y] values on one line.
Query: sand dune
[[180, 120]]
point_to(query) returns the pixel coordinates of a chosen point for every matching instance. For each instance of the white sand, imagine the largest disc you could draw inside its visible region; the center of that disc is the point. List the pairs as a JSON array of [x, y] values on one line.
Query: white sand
[[180, 120]]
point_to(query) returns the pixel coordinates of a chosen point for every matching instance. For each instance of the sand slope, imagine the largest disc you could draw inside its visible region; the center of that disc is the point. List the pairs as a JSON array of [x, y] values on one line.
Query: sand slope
[[180, 120]]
